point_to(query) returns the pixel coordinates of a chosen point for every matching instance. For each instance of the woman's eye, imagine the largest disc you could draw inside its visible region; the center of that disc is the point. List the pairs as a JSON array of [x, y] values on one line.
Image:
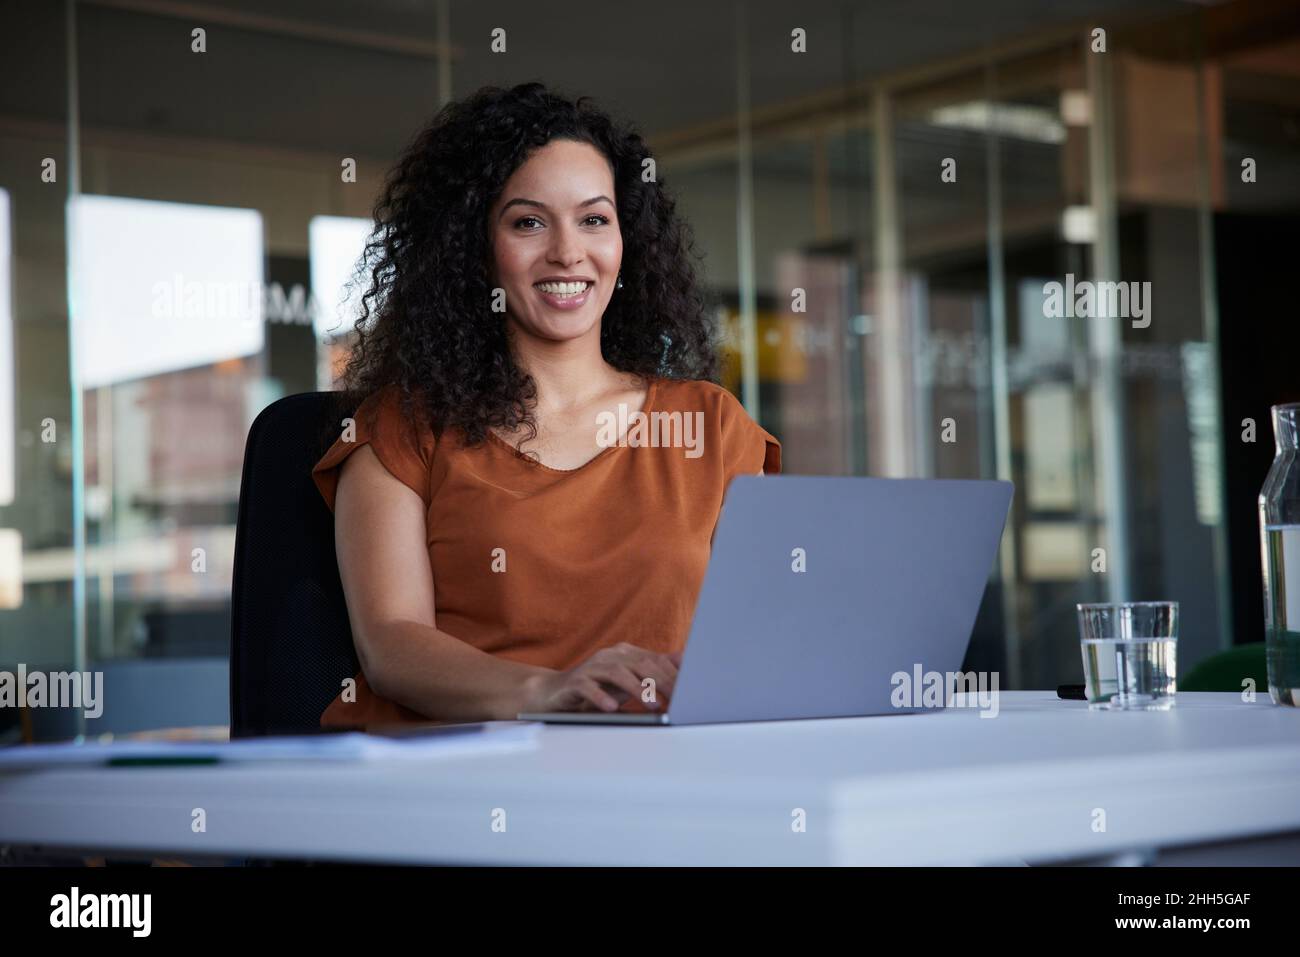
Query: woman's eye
[[525, 219], [601, 220]]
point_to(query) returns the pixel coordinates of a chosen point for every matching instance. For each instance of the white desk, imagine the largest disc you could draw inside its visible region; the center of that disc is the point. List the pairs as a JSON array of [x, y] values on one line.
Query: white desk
[[944, 787]]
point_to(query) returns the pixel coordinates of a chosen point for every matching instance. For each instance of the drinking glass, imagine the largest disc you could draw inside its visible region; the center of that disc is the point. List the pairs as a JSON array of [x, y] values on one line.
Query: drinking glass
[[1130, 654]]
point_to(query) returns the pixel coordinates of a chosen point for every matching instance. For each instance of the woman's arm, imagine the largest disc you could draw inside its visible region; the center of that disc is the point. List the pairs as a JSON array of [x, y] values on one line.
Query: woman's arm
[[379, 533]]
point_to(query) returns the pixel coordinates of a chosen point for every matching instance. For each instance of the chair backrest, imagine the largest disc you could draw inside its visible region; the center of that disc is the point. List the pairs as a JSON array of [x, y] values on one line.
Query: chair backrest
[[290, 641]]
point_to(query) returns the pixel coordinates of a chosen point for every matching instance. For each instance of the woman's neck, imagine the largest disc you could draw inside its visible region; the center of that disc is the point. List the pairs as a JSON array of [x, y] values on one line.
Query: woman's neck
[[568, 375]]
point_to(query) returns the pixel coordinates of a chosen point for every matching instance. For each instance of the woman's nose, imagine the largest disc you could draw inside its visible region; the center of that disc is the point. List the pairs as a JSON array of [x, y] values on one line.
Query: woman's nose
[[566, 246]]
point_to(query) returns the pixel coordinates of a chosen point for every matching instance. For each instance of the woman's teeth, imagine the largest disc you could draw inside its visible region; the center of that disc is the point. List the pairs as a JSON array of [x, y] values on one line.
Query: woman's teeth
[[563, 288]]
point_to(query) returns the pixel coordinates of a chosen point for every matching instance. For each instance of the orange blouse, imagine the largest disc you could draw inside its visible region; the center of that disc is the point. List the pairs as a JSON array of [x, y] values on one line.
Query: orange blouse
[[546, 566]]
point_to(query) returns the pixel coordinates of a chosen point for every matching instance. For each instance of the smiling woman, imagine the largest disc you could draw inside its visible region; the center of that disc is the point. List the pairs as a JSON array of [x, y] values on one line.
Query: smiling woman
[[526, 286]]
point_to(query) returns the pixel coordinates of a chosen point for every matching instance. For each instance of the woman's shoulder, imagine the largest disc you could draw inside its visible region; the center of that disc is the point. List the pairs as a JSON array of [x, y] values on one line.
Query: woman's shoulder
[[394, 433], [747, 446], [391, 417], [691, 395]]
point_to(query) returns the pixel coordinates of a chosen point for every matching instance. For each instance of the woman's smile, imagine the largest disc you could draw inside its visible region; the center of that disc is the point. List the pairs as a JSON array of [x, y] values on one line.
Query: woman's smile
[[564, 295]]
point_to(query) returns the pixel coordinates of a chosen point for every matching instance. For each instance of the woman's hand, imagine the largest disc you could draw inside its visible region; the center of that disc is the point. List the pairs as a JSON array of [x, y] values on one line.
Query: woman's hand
[[604, 681]]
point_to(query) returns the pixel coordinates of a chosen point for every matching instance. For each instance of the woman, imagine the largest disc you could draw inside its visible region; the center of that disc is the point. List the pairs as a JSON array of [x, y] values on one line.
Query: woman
[[525, 497]]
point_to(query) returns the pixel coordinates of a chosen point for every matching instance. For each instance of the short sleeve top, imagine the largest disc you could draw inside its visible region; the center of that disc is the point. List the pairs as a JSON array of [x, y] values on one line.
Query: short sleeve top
[[546, 566]]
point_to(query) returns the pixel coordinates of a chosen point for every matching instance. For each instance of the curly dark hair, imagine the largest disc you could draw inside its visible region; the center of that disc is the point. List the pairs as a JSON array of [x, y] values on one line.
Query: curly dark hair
[[433, 332]]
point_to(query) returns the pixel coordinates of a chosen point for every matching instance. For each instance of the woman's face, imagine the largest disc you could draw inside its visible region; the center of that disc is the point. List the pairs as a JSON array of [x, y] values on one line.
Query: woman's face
[[555, 241]]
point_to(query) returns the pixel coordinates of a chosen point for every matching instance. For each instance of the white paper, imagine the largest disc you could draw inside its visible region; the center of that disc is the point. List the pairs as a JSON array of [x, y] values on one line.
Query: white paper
[[344, 746]]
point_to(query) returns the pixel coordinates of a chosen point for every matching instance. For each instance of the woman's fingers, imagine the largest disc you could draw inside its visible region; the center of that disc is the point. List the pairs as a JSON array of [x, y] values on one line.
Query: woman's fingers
[[661, 670], [611, 676], [620, 675], [590, 690]]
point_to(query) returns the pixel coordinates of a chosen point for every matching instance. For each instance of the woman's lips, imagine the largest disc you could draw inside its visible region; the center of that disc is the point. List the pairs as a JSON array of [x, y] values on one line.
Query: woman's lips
[[566, 302]]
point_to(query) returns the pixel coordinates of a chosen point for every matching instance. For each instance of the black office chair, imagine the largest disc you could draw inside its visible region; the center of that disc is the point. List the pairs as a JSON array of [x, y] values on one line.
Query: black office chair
[[290, 639]]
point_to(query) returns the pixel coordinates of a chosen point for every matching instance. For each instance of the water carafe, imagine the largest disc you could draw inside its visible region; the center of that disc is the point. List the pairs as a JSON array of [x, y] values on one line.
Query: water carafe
[[1279, 528]]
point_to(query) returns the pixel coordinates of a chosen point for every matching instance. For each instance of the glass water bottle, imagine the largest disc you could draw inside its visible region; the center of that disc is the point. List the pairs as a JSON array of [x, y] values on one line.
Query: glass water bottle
[[1279, 528]]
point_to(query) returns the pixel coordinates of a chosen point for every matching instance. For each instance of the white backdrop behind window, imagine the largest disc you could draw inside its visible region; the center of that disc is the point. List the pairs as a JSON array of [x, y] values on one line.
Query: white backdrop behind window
[[158, 287]]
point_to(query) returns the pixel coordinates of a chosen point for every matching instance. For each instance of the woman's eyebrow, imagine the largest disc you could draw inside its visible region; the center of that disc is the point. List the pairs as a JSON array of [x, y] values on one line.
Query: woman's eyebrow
[[541, 205]]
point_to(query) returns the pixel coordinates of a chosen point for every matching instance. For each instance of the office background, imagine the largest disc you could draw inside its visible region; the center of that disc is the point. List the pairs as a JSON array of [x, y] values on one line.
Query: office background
[[138, 156]]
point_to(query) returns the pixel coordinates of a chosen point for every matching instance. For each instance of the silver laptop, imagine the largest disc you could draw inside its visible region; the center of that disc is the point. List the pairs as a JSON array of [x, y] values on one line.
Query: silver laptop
[[819, 589]]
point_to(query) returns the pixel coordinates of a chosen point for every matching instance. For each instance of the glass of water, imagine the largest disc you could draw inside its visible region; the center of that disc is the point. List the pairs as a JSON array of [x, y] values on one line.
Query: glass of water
[[1130, 654]]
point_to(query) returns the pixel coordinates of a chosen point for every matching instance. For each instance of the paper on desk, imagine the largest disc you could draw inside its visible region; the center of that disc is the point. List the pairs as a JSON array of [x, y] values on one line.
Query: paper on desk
[[345, 746]]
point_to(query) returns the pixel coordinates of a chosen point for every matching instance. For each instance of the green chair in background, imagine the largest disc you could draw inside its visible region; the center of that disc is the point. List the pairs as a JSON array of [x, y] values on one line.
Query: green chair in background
[[1228, 669]]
